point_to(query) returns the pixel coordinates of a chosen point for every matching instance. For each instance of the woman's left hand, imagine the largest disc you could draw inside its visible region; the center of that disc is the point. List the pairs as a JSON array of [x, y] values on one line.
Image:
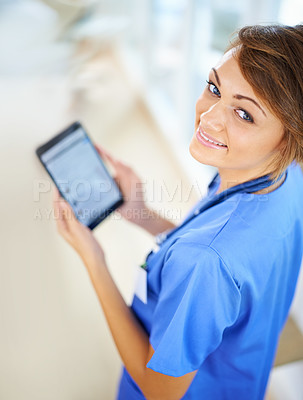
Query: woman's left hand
[[79, 236]]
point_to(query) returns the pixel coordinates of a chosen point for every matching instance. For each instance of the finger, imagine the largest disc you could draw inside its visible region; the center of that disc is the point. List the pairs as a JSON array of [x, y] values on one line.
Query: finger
[[98, 148], [105, 154], [112, 163], [102, 151], [117, 164], [57, 198], [61, 223], [67, 212], [63, 212]]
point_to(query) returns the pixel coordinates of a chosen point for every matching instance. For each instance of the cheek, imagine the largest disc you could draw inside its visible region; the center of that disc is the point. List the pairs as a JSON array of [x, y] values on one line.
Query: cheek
[[246, 142], [251, 144], [242, 139], [267, 139]]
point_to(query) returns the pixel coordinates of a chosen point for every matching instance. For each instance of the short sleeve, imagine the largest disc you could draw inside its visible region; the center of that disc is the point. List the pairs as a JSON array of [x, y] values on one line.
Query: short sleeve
[[198, 300]]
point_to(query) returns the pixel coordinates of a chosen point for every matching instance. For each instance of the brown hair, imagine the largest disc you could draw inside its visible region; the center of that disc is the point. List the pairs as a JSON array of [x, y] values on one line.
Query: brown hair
[[271, 60]]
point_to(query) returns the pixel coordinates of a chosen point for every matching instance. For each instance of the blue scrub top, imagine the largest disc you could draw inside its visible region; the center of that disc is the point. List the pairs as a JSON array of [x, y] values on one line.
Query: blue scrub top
[[219, 291]]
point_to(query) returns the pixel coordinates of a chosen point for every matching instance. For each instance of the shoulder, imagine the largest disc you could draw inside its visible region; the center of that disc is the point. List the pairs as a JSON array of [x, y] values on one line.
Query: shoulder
[[188, 258], [244, 227], [274, 214], [241, 230]]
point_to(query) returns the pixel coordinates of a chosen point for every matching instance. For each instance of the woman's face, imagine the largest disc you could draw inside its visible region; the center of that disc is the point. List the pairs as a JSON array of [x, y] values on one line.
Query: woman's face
[[234, 130]]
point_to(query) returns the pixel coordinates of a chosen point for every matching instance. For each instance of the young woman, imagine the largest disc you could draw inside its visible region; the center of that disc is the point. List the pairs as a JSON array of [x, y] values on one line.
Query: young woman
[[220, 285]]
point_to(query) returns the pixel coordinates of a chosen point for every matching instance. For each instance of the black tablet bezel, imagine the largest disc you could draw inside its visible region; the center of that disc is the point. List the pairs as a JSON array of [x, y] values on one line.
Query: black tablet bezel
[[56, 139]]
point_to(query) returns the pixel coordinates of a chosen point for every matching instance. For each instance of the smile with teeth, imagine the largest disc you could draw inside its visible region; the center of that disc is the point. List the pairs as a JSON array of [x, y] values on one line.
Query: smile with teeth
[[209, 140]]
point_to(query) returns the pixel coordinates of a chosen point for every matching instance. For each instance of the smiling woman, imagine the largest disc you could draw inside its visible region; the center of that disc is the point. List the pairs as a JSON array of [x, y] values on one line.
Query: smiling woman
[[233, 120], [216, 290]]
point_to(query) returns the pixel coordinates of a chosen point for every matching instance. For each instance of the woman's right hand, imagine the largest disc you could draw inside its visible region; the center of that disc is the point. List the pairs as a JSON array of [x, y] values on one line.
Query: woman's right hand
[[130, 185]]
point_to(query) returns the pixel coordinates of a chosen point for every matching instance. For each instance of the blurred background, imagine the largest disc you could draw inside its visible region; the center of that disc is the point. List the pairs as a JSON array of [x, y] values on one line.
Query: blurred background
[[130, 71]]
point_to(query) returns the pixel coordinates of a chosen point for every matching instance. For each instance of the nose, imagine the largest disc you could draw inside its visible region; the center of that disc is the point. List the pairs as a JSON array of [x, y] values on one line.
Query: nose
[[213, 118]]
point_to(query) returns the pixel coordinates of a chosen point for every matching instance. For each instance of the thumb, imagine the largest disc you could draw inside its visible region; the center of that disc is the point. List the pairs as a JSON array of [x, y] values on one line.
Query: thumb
[[67, 212]]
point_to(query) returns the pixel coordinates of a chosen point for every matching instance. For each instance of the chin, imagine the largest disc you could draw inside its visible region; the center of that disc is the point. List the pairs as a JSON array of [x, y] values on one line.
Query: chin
[[195, 151]]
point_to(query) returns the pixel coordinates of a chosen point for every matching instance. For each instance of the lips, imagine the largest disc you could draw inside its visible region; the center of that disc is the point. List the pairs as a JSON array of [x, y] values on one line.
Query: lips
[[210, 139]]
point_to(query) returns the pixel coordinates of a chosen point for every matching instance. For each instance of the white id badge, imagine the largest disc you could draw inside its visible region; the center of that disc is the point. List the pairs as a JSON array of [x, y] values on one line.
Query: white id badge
[[156, 248], [141, 285]]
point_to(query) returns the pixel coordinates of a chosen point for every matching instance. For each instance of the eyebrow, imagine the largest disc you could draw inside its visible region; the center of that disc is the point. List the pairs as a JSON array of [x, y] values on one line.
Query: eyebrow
[[217, 76], [239, 96]]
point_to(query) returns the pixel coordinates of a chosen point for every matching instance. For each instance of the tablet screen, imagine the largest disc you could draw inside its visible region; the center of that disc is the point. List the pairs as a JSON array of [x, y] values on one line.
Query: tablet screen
[[81, 176]]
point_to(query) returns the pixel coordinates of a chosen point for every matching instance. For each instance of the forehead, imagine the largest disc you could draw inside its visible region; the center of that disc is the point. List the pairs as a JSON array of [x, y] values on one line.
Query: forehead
[[231, 77]]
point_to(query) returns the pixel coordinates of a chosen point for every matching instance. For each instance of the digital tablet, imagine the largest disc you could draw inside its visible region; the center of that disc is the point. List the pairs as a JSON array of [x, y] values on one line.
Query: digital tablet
[[80, 175]]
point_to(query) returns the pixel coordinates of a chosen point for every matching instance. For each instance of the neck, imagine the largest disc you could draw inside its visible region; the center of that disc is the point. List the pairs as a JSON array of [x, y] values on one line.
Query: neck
[[229, 180], [232, 178]]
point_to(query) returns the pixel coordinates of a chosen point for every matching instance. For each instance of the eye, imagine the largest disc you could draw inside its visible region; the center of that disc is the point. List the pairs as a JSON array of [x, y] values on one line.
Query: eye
[[244, 115], [213, 88]]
